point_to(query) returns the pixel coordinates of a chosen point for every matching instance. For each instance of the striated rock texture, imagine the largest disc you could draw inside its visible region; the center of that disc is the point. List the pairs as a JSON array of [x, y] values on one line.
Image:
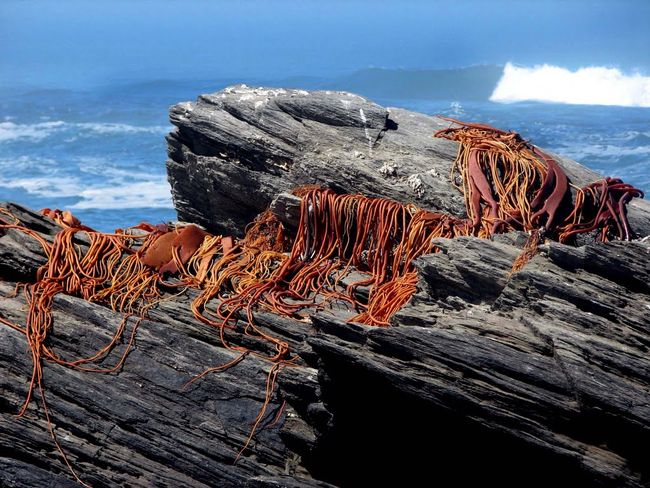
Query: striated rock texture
[[540, 378], [233, 151], [141, 426]]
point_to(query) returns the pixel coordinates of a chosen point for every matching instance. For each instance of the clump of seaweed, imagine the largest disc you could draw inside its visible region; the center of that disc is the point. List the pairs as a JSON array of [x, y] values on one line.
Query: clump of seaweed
[[511, 184]]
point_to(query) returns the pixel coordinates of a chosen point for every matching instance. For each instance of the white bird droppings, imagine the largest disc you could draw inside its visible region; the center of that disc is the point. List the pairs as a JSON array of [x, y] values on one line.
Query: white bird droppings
[[415, 182]]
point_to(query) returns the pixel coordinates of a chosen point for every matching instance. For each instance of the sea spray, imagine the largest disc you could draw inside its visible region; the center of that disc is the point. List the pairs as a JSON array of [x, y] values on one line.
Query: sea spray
[[595, 85]]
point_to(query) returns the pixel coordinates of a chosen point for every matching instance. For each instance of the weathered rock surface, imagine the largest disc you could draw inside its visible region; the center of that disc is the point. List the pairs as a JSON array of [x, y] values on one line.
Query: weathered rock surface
[[543, 375], [139, 427], [233, 151], [539, 378]]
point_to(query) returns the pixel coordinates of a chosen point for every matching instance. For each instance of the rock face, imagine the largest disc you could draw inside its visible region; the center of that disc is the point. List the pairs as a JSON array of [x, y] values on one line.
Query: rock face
[[235, 150], [141, 426], [538, 378]]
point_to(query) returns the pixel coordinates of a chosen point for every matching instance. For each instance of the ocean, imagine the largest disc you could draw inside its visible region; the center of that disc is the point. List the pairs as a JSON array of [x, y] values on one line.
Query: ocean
[[100, 150]]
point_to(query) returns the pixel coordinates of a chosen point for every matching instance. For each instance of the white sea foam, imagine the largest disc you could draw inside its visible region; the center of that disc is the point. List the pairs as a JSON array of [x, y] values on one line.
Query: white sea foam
[[586, 86], [154, 194], [27, 165], [106, 128], [59, 187], [10, 131], [113, 193], [456, 108], [606, 152]]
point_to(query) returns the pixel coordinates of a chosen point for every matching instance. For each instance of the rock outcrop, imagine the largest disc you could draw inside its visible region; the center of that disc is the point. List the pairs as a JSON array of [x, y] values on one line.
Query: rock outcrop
[[541, 377], [234, 151], [141, 426]]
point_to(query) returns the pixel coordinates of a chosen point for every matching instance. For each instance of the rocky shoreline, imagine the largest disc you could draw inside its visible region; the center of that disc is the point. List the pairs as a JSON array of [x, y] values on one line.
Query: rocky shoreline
[[536, 377]]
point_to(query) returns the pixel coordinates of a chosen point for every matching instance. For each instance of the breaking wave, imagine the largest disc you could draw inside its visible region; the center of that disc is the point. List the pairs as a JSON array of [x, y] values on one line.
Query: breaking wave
[[586, 86]]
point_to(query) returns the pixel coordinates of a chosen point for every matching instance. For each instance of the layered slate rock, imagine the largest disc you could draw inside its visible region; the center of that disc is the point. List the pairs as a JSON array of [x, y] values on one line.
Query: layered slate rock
[[141, 426], [554, 358], [233, 151], [542, 376], [537, 378]]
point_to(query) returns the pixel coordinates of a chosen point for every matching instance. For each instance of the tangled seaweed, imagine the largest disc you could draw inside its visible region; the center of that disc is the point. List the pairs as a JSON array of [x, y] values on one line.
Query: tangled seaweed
[[511, 184], [508, 184], [105, 270]]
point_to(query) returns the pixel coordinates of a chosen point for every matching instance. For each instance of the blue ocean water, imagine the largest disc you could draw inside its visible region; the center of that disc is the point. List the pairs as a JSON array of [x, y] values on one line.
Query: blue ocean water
[[101, 151]]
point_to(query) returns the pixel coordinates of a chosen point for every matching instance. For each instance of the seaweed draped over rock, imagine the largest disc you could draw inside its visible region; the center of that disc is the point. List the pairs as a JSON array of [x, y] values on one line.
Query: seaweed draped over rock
[[508, 184]]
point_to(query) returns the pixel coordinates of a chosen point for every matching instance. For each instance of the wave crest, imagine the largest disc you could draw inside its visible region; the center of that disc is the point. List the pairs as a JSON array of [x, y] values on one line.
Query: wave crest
[[586, 86]]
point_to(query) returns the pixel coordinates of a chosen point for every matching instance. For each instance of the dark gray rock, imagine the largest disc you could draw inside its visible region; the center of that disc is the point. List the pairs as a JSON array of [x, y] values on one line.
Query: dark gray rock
[[541, 377], [555, 356], [233, 151], [140, 426], [542, 374]]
